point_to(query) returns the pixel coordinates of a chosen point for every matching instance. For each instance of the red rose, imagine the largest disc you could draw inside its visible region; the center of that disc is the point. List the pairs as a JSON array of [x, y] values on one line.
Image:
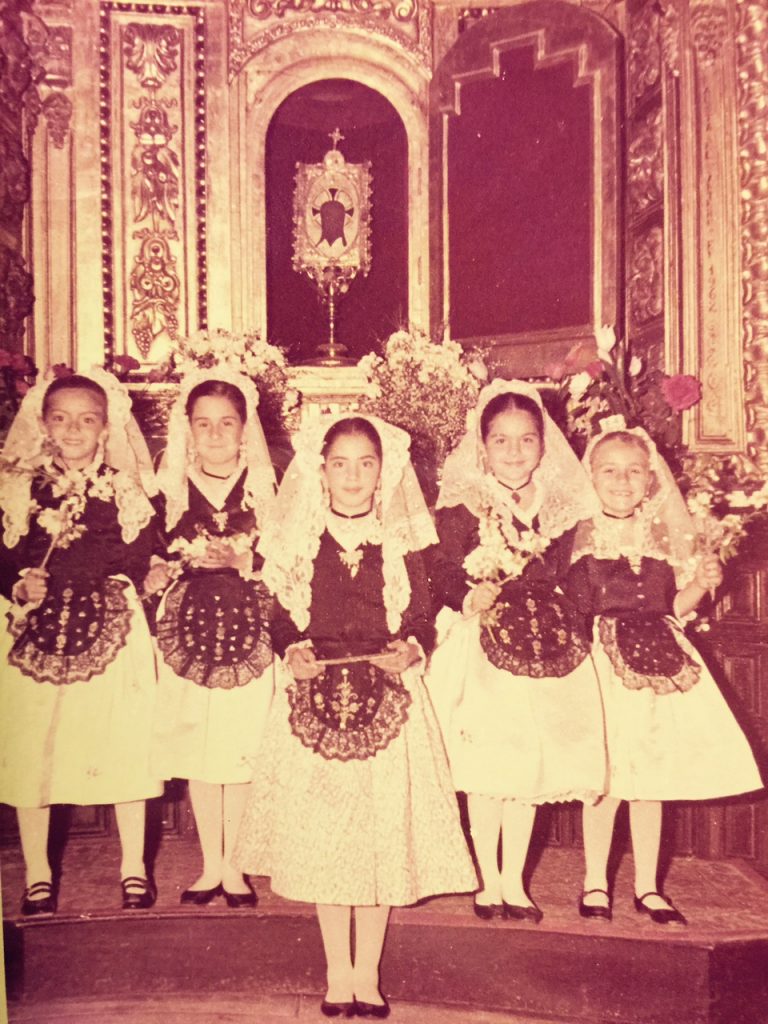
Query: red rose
[[580, 356], [21, 363], [681, 391], [595, 369]]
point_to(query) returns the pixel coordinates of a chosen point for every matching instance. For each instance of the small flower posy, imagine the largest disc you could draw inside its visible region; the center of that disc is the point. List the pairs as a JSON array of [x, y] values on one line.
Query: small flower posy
[[503, 551]]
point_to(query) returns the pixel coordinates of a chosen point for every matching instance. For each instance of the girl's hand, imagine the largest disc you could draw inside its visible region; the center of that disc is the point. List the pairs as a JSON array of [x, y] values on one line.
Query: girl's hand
[[404, 654], [482, 597], [302, 663], [157, 579], [33, 587], [709, 573], [218, 555]]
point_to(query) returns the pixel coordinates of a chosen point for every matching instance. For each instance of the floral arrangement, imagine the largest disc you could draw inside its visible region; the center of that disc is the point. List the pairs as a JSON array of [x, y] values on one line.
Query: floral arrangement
[[593, 383], [246, 353], [426, 388], [503, 551]]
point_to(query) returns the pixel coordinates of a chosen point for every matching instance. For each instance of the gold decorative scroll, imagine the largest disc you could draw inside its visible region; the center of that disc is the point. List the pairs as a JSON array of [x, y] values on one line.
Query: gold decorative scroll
[[153, 177]]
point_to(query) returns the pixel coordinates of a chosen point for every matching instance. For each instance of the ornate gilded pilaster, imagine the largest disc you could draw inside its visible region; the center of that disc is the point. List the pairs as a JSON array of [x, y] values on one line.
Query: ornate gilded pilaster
[[15, 78], [153, 176], [752, 47], [712, 320]]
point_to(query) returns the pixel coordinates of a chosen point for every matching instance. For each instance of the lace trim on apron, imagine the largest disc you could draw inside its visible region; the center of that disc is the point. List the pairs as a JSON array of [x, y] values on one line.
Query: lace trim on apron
[[73, 635], [649, 652], [215, 631], [349, 712]]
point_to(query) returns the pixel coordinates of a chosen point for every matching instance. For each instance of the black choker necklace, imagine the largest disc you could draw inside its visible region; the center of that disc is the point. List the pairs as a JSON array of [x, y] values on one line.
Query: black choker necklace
[[215, 476], [357, 515], [612, 516], [515, 490]]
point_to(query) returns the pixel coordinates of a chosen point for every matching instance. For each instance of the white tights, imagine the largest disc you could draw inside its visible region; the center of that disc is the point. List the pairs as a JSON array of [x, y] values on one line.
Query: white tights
[[348, 979], [489, 818], [218, 810]]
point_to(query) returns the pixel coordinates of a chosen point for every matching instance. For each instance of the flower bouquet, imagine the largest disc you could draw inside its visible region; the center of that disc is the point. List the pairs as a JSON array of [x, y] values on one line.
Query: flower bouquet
[[425, 388], [246, 353]]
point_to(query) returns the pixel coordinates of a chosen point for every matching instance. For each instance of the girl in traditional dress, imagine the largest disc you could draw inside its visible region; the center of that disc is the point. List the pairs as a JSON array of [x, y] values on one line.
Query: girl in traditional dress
[[215, 654], [77, 694], [511, 681], [352, 805], [670, 733]]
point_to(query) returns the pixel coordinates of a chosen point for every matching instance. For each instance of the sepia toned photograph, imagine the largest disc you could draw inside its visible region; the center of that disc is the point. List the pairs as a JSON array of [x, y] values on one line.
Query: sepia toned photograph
[[384, 510]]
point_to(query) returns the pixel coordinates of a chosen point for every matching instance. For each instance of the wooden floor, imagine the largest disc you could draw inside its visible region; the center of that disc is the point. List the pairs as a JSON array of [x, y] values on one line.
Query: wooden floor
[[715, 971]]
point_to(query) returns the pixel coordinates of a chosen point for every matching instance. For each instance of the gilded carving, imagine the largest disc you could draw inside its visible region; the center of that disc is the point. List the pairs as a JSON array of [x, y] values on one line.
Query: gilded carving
[[155, 286], [644, 60], [752, 44], [669, 33], [154, 166], [645, 170], [709, 27], [646, 276], [16, 296], [404, 22], [57, 109], [151, 52], [402, 10]]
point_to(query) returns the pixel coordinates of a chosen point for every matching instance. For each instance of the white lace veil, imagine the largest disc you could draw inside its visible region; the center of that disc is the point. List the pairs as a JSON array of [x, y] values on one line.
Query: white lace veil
[[291, 539], [566, 491], [665, 529], [125, 450], [259, 488]]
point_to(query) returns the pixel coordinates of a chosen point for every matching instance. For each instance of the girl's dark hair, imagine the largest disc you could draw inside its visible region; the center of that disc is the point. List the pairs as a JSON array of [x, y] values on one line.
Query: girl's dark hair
[[626, 438], [351, 425], [510, 402], [71, 383], [217, 389]]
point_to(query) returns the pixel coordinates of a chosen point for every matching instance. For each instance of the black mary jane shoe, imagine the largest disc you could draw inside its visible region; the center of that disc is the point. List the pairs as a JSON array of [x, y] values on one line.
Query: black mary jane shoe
[[337, 1009], [39, 898], [513, 912], [238, 900], [659, 915], [595, 910], [138, 893], [487, 911], [379, 1011], [199, 897]]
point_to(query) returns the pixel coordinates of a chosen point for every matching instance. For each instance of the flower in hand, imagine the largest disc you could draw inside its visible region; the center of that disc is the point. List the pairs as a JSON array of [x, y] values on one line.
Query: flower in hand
[[302, 663], [157, 579], [219, 554], [33, 586], [404, 654], [483, 596], [709, 573]]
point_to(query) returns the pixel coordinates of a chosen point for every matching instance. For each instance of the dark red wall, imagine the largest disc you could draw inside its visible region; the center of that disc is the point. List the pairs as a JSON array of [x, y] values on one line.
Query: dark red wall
[[520, 189]]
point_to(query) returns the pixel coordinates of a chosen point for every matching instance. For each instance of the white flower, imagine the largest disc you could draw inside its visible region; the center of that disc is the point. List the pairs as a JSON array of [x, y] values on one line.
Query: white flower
[[605, 337], [578, 384], [635, 366]]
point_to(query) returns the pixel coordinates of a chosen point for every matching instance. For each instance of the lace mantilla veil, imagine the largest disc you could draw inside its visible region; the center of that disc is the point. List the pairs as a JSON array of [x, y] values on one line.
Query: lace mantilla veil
[[291, 539], [664, 528], [125, 450], [566, 491], [172, 476]]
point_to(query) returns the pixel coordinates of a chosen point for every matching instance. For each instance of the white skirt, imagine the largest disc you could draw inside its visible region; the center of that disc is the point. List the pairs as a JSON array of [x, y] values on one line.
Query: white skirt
[[672, 746], [384, 830], [85, 742], [208, 734], [515, 737]]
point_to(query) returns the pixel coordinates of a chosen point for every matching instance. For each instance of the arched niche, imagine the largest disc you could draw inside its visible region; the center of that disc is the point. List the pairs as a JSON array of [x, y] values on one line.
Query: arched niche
[[264, 84], [370, 130]]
